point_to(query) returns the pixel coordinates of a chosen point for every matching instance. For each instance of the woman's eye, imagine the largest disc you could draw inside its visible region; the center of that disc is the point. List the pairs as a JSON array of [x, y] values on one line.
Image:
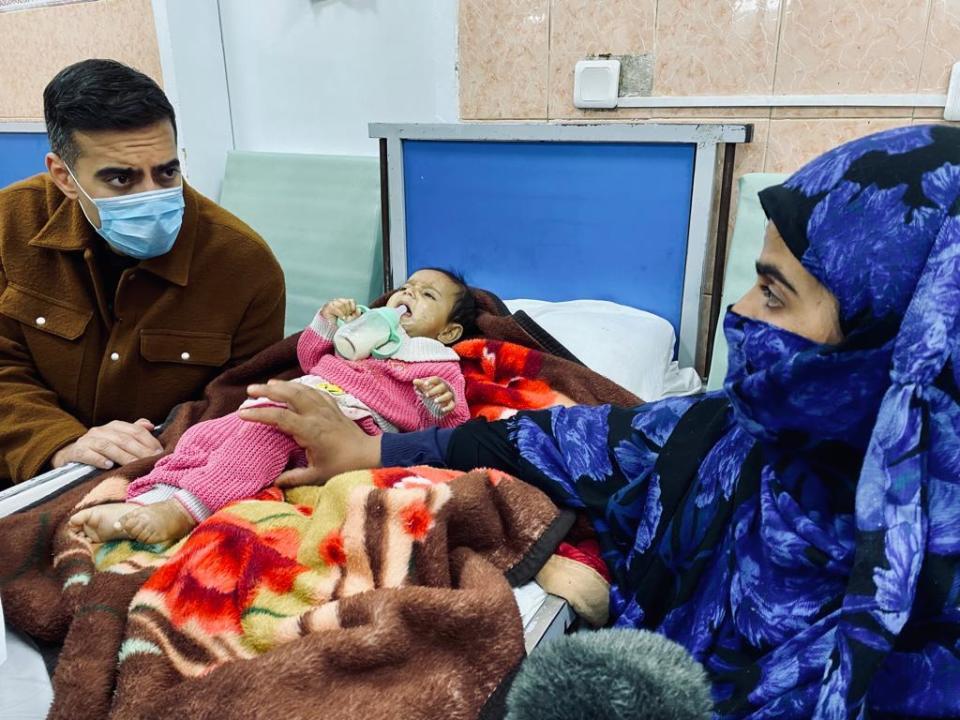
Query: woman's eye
[[431, 295], [772, 300]]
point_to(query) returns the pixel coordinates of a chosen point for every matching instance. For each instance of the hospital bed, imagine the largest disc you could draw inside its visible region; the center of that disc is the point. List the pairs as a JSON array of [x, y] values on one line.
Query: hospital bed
[[333, 236]]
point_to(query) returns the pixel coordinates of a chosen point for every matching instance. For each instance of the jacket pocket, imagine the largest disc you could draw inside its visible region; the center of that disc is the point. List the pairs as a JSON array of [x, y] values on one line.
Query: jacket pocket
[[40, 312], [54, 334], [185, 347]]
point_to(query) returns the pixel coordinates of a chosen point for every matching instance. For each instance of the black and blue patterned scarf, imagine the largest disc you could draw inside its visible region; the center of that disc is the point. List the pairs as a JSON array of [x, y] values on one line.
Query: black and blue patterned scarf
[[876, 221], [799, 532]]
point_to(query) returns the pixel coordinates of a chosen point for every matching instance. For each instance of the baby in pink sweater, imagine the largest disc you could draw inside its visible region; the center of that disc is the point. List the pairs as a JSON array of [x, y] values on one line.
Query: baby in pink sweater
[[219, 461]]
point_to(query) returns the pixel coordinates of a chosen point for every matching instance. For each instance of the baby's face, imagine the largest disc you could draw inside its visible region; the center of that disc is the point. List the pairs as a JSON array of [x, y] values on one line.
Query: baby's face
[[429, 296]]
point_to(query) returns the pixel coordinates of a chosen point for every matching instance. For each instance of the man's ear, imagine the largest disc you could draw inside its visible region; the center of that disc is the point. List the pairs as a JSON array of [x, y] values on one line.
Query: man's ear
[[451, 333], [61, 176]]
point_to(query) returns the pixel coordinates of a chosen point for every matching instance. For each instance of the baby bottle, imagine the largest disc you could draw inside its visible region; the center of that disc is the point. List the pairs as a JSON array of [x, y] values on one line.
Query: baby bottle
[[376, 332]]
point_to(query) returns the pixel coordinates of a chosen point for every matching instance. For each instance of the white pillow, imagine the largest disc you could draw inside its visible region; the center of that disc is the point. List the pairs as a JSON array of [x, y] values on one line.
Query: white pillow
[[629, 346]]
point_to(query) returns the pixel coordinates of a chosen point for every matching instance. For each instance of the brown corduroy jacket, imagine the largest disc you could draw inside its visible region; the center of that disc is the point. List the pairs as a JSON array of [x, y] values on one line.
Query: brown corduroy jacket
[[68, 362]]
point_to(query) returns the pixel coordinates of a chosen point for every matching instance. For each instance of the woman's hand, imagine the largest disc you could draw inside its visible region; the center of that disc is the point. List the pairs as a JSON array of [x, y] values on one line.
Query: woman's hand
[[333, 443], [340, 309]]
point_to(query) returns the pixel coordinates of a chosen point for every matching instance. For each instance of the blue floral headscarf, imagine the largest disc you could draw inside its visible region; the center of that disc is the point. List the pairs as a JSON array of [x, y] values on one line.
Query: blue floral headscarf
[[799, 532], [877, 222]]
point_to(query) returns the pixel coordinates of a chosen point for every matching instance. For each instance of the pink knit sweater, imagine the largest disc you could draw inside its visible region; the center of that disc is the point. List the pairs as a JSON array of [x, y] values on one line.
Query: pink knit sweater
[[386, 386]]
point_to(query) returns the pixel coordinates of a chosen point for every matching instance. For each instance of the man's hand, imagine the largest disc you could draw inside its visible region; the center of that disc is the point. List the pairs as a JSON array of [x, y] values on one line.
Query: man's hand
[[340, 309], [333, 443], [436, 390], [116, 443]]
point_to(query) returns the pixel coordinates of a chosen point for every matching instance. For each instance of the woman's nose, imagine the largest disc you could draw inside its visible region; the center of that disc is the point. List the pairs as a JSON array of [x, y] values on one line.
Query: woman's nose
[[749, 305]]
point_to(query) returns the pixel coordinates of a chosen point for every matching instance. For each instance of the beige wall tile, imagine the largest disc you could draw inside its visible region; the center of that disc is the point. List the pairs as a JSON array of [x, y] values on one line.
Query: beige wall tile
[[504, 53], [581, 28], [709, 113], [793, 143], [943, 46], [36, 44], [941, 121], [929, 114], [715, 48], [802, 113], [857, 46], [595, 27]]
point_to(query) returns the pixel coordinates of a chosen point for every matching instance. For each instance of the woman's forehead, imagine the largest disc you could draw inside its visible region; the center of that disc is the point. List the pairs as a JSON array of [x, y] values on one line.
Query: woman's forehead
[[776, 254]]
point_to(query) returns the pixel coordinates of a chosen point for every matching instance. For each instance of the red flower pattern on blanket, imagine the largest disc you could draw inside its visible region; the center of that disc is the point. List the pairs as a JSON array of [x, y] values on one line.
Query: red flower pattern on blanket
[[219, 570], [245, 568], [503, 378]]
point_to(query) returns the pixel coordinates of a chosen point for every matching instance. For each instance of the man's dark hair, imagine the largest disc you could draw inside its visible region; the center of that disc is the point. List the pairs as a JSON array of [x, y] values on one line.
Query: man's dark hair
[[464, 310], [94, 95]]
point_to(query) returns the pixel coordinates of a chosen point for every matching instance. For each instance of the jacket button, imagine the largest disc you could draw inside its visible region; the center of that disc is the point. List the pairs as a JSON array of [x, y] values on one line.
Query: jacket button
[[114, 356], [184, 356], [41, 321]]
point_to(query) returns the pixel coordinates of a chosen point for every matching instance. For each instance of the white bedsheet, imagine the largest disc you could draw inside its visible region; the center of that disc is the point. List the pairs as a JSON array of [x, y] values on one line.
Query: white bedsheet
[[632, 347], [25, 690]]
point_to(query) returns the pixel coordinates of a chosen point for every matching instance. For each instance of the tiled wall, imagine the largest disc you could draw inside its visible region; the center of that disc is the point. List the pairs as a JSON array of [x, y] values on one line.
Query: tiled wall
[[517, 59], [35, 44]]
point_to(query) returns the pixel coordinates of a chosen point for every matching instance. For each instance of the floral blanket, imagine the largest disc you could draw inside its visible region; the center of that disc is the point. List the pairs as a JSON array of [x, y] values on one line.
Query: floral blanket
[[383, 594]]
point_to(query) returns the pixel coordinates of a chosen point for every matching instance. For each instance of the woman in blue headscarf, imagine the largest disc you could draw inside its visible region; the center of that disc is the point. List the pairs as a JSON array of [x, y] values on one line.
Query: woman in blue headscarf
[[798, 532]]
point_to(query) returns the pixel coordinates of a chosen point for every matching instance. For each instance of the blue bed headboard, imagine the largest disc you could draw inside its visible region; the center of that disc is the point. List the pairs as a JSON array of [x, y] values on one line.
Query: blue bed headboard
[[559, 212], [22, 148]]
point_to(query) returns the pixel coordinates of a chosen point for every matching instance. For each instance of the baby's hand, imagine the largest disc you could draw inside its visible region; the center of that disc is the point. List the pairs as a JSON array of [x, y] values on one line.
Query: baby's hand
[[435, 391], [340, 309]]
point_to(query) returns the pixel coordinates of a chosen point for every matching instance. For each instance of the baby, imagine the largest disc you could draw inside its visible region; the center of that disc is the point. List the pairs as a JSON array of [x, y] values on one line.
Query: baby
[[226, 459]]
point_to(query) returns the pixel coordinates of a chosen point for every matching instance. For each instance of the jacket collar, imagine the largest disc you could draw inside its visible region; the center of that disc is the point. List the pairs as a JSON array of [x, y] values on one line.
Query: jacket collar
[[68, 229]]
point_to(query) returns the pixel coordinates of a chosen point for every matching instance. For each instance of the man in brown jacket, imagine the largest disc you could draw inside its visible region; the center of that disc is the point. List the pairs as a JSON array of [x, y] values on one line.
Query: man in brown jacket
[[123, 291]]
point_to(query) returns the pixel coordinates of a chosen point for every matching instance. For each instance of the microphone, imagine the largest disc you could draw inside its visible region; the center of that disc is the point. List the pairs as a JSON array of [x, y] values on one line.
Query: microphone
[[611, 674]]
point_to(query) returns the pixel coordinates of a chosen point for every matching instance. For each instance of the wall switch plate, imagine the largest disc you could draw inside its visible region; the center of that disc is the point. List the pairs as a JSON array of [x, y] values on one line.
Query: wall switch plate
[[596, 84], [951, 110]]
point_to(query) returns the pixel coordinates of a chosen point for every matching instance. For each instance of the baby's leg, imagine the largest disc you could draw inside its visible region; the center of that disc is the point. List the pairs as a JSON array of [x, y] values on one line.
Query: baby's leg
[[102, 522], [215, 463], [249, 458], [192, 452]]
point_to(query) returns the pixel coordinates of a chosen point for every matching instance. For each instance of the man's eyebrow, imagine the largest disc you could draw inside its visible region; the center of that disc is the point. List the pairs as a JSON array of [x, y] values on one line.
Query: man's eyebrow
[[172, 165], [774, 272]]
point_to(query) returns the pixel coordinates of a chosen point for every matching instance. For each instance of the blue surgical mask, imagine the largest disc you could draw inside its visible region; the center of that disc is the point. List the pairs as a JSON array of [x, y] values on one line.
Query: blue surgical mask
[[141, 226]]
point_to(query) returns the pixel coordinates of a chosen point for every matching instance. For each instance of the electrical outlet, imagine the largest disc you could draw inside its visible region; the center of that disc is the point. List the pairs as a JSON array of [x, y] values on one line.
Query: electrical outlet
[[596, 84]]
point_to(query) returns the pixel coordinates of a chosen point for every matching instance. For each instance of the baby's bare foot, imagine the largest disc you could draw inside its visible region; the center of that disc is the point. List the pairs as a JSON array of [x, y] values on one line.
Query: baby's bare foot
[[102, 522], [162, 522]]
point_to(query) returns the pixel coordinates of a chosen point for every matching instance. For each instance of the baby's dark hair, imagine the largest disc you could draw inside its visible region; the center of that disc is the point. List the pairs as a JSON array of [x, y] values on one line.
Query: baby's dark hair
[[464, 310]]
